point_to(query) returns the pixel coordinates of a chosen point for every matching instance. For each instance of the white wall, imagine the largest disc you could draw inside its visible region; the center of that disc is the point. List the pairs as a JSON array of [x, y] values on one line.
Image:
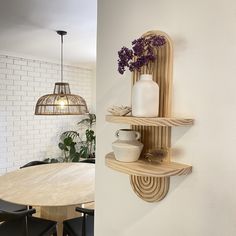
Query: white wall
[[204, 35], [24, 136]]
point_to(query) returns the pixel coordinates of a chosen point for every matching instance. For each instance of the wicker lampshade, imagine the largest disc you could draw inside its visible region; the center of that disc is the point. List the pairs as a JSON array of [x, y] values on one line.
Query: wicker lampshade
[[61, 102]]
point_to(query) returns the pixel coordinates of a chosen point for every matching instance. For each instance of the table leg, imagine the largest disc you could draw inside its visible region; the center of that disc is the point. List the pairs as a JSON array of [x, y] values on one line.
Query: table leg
[[59, 214]]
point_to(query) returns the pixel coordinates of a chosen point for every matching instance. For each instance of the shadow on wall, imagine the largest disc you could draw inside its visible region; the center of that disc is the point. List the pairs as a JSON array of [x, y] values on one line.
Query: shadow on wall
[[177, 135]]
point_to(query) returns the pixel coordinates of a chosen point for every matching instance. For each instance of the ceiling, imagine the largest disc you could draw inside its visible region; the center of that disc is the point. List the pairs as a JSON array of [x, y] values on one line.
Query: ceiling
[[27, 27]]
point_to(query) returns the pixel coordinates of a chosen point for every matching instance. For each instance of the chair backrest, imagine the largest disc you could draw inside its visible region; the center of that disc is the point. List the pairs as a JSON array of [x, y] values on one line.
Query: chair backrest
[[21, 216], [34, 163], [92, 161], [88, 221], [88, 225], [10, 215], [88, 214], [9, 206]]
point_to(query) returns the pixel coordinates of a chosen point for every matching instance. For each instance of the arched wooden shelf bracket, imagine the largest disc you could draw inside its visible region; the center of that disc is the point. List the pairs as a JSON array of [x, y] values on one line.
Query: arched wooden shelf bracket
[[150, 180], [150, 189]]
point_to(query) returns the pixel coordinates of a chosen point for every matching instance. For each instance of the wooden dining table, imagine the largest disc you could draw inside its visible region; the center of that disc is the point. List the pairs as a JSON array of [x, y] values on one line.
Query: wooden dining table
[[55, 188]]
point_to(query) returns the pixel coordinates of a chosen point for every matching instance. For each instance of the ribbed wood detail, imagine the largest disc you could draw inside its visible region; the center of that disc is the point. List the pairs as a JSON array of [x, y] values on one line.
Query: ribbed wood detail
[[155, 121], [146, 168], [159, 136], [153, 136], [150, 189]]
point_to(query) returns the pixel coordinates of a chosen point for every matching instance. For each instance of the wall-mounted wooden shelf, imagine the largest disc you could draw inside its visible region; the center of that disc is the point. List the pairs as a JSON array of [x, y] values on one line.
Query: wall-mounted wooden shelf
[[150, 180], [154, 121], [146, 168]]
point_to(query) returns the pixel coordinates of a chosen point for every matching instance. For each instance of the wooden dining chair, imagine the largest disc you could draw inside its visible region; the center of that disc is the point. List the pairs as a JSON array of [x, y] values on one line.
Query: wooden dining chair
[[80, 226], [22, 223]]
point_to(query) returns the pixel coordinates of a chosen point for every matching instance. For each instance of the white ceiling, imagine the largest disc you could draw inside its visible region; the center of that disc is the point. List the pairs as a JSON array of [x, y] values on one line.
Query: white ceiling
[[27, 27]]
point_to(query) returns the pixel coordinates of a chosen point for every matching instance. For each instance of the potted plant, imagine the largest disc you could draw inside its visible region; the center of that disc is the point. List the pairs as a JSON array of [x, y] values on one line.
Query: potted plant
[[70, 154], [141, 58], [69, 151], [78, 146], [83, 145]]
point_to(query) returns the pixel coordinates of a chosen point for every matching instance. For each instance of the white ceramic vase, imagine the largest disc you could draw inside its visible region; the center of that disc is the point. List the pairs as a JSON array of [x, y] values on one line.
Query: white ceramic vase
[[145, 97], [127, 148]]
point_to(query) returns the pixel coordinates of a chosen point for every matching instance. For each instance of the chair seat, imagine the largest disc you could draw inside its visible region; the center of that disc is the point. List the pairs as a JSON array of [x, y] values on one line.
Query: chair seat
[[8, 206], [73, 227], [36, 227]]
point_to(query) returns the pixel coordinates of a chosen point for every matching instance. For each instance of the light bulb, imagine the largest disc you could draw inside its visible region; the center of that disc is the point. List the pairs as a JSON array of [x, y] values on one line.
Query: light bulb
[[62, 102]]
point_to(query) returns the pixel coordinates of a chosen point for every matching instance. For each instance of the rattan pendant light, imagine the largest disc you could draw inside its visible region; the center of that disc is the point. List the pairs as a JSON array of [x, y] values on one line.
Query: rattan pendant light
[[61, 102]]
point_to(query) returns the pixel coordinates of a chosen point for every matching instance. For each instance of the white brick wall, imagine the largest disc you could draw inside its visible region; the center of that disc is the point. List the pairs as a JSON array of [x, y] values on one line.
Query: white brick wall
[[24, 136]]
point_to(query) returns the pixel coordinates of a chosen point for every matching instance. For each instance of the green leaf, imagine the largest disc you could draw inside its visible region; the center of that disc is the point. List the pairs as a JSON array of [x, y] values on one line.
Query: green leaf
[[89, 135], [72, 134], [75, 157], [84, 152], [68, 141], [62, 146], [72, 150], [88, 122]]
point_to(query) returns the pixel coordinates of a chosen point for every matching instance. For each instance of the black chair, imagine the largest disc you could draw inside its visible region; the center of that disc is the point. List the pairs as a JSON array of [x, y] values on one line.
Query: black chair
[[12, 207], [22, 223], [8, 206], [80, 226], [92, 161], [34, 163]]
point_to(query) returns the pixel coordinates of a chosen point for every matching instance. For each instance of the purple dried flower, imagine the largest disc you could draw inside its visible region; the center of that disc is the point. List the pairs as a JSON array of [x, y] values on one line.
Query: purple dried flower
[[125, 55], [141, 54]]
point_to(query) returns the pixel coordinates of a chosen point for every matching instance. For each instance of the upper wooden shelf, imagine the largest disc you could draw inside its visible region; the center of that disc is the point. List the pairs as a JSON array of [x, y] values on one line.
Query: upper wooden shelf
[[145, 168], [154, 121]]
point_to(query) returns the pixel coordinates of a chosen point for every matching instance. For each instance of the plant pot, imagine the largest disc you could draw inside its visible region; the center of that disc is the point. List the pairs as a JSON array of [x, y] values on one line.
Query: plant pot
[[145, 97]]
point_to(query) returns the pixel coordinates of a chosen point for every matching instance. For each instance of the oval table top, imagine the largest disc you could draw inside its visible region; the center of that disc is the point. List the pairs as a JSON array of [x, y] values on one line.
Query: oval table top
[[59, 184]]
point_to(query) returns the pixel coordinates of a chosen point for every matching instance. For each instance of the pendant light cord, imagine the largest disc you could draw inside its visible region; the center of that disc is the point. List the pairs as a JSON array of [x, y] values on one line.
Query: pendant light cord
[[61, 58]]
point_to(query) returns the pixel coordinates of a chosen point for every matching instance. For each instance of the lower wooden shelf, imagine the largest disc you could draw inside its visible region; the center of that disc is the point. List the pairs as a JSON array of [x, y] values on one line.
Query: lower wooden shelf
[[149, 180], [146, 168]]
